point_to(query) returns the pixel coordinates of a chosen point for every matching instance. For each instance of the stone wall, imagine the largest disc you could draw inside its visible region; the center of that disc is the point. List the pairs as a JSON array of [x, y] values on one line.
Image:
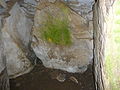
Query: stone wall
[[23, 46]]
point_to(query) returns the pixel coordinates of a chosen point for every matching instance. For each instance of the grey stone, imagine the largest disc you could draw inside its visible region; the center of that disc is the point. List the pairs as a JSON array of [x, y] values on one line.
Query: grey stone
[[16, 37], [70, 58]]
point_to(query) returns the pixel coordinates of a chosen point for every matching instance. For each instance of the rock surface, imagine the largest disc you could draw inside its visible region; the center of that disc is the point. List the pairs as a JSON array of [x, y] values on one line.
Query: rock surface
[[16, 37], [4, 79], [2, 62], [74, 58]]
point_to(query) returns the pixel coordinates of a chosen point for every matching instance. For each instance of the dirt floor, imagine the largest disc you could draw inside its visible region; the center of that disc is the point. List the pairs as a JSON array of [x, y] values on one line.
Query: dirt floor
[[41, 78]]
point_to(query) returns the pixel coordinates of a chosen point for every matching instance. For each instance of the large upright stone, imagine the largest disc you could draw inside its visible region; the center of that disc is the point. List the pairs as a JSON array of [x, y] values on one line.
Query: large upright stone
[[16, 37], [74, 58]]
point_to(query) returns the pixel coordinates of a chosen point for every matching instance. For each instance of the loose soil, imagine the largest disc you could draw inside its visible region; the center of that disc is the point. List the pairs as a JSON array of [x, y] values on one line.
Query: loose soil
[[40, 79]]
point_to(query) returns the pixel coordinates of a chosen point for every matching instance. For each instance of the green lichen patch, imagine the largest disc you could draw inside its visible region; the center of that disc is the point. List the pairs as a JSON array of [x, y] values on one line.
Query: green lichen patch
[[56, 29]]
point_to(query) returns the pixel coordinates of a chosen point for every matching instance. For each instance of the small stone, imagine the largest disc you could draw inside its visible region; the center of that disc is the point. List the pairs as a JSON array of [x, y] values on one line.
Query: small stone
[[61, 77], [72, 78]]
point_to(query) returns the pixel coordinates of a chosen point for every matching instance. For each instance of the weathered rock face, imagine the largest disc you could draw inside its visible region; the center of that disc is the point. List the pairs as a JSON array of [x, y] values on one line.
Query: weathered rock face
[[83, 7], [2, 61], [103, 16], [16, 34], [16, 37], [4, 80], [73, 58]]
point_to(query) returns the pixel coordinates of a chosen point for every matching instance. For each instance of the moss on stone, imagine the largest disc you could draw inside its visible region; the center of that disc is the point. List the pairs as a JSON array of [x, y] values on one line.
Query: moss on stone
[[56, 30]]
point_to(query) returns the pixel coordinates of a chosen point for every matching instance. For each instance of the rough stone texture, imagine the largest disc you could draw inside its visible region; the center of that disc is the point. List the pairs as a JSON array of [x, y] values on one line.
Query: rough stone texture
[[4, 81], [2, 62], [16, 37], [16, 34], [99, 48], [83, 7], [101, 14], [74, 58]]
